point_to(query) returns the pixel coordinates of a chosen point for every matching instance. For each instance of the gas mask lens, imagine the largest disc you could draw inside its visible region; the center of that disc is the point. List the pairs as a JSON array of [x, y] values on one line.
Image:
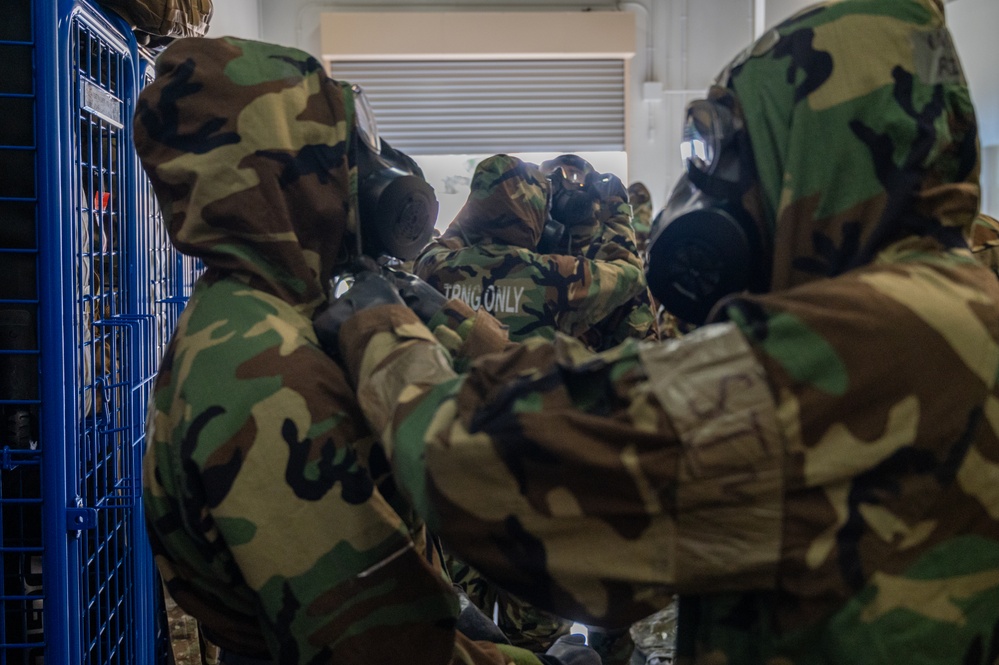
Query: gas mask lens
[[573, 176], [570, 169], [367, 128], [706, 131]]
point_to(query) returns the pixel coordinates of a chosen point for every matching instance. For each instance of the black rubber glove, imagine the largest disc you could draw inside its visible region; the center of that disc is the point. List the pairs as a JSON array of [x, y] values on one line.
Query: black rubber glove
[[422, 298], [369, 289], [474, 624], [571, 650]]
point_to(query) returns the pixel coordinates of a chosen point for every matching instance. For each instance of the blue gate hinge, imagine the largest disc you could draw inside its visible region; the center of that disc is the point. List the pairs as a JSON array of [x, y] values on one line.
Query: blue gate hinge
[[80, 519]]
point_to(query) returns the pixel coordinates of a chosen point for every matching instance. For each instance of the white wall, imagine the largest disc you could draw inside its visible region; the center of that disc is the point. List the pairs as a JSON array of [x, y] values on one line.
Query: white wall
[[684, 58], [974, 24], [692, 40], [778, 10], [235, 18]]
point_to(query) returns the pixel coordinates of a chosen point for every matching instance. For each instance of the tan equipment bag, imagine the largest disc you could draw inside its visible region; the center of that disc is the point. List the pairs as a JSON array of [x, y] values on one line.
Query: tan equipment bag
[[164, 18]]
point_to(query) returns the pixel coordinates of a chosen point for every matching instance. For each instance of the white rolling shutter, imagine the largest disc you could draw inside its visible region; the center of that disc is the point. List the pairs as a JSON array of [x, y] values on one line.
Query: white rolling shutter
[[441, 107]]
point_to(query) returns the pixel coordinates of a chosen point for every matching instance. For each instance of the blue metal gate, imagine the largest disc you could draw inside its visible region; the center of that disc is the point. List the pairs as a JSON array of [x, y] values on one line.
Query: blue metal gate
[[90, 290]]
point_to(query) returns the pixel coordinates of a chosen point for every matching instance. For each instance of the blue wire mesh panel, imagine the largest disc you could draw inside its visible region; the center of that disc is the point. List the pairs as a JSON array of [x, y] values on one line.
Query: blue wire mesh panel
[[114, 357], [77, 347], [170, 273], [21, 599], [164, 268]]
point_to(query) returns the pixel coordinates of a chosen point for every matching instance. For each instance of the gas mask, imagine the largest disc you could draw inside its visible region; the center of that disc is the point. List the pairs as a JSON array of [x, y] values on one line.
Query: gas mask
[[553, 239], [704, 245], [398, 208], [572, 202]]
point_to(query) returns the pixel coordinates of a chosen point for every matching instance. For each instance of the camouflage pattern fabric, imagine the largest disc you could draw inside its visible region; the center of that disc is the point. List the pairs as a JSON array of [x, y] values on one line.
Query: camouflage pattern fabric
[[524, 625], [905, 126], [269, 505], [165, 18], [487, 258], [632, 320], [641, 203], [499, 272], [816, 475], [985, 241], [187, 644], [668, 326]]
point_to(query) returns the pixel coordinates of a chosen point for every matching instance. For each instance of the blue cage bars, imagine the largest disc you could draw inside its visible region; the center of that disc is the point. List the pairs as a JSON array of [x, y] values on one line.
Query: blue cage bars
[[90, 290]]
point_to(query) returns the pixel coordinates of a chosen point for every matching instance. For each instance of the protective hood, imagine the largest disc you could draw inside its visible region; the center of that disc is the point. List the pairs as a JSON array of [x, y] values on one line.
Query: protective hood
[[249, 147], [508, 203], [641, 205], [984, 233], [984, 241], [862, 132]]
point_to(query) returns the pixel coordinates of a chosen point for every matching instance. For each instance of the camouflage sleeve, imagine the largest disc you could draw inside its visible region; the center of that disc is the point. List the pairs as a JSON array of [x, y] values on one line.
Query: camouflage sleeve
[[591, 485], [335, 596], [617, 241], [434, 254], [584, 236], [467, 333], [633, 320], [640, 323], [605, 278]]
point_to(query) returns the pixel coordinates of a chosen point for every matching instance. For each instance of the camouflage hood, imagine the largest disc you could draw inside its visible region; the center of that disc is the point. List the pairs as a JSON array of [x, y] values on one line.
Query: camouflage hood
[[863, 134], [248, 146], [984, 241], [641, 204], [508, 203], [984, 233]]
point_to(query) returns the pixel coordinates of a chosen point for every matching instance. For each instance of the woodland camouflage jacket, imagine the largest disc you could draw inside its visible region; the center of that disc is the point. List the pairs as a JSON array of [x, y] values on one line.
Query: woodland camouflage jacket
[[269, 506], [488, 258], [816, 472]]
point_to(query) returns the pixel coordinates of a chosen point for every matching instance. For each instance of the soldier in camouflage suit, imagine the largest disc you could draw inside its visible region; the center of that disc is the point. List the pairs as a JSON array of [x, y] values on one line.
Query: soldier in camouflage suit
[[641, 203], [488, 257], [632, 320], [269, 507], [815, 470]]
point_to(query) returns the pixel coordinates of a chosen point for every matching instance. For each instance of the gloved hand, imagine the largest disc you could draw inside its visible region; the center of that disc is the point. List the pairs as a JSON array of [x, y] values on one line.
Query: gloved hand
[[369, 289], [474, 624], [572, 650], [422, 298]]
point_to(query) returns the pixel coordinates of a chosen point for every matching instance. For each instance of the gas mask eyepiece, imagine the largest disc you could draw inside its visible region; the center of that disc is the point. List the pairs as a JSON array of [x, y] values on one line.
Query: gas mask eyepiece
[[572, 203]]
